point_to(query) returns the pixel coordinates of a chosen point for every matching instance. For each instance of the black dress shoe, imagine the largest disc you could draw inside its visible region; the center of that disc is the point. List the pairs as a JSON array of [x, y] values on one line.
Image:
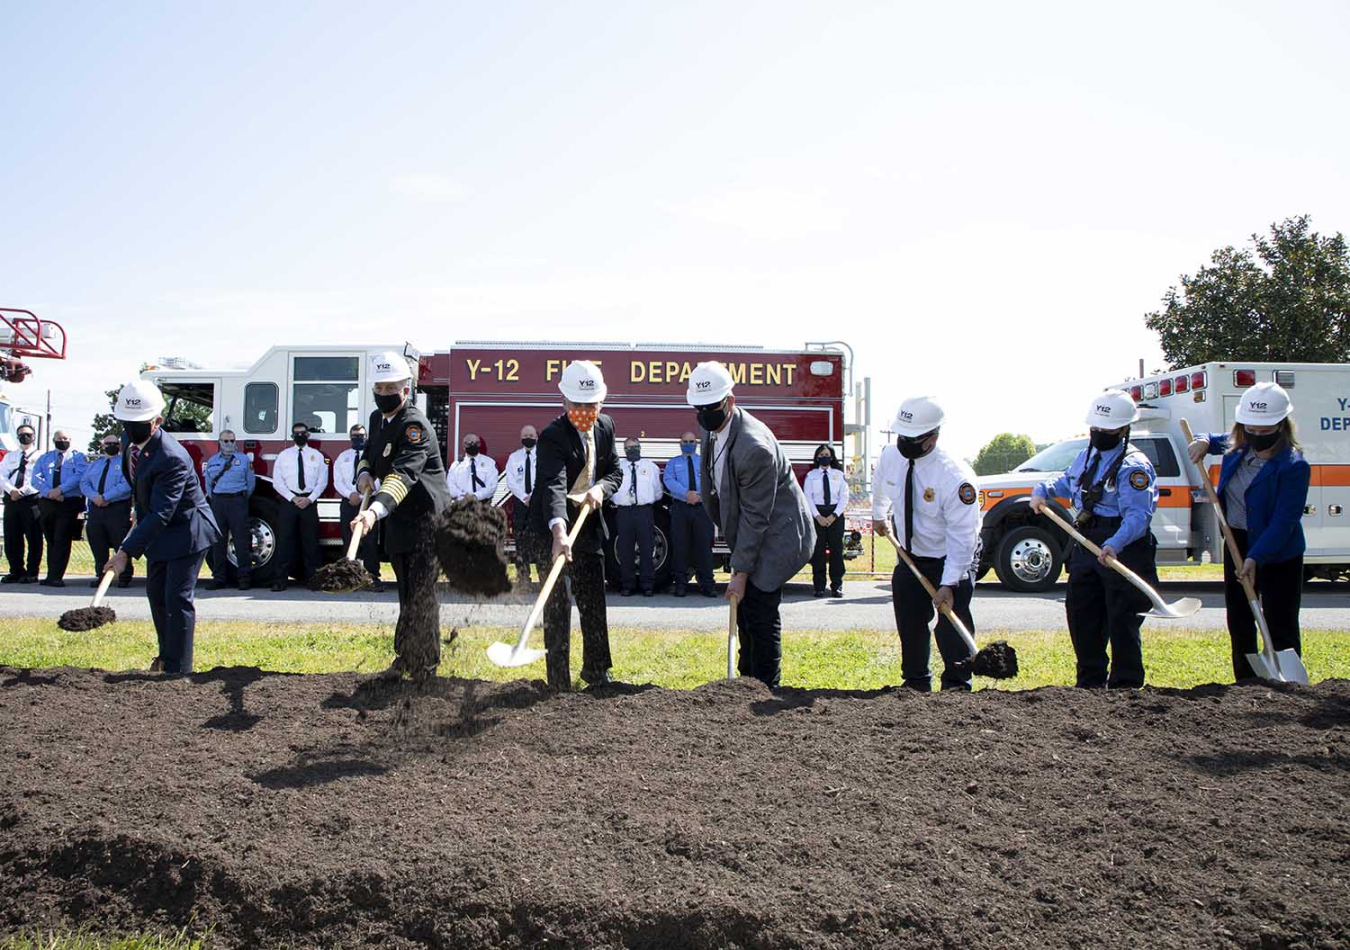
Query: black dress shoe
[[30, 579], [246, 584], [597, 679], [376, 588], [625, 593], [708, 592], [124, 584], [649, 593], [45, 582], [279, 586], [837, 592], [94, 582], [818, 593], [12, 579], [679, 592], [217, 585]]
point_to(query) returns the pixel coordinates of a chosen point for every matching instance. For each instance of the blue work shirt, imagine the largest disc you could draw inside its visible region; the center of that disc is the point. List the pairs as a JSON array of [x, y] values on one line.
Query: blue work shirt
[[115, 486], [1131, 496], [228, 474], [72, 470], [676, 476]]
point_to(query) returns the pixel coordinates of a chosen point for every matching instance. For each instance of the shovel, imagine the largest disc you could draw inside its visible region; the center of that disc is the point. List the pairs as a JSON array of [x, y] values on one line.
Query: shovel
[[503, 654], [731, 639], [1184, 607], [1284, 666], [87, 618], [348, 574]]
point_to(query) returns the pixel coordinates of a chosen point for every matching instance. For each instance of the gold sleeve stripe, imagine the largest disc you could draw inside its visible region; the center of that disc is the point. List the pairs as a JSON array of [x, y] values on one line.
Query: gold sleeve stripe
[[395, 487], [362, 466]]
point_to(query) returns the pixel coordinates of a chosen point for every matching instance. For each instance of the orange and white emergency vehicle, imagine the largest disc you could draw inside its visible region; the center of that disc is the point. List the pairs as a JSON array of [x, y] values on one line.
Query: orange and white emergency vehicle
[[492, 389], [1027, 552]]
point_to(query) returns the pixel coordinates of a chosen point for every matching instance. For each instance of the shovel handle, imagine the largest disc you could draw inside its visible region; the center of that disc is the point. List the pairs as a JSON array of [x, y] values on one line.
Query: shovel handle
[[359, 531], [731, 638], [1119, 568], [554, 572], [932, 592], [103, 586]]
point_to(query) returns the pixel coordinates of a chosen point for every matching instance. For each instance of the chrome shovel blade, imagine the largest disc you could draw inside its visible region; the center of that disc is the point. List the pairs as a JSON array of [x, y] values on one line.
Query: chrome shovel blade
[[1283, 666], [503, 654], [1185, 607]]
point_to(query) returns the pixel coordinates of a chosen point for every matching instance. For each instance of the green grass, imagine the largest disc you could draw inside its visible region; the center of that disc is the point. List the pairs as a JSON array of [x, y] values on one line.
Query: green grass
[[1174, 656], [37, 940]]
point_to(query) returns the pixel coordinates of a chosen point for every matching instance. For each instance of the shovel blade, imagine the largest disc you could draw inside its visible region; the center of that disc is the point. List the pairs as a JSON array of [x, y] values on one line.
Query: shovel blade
[[503, 654], [1185, 607], [1291, 667], [1264, 668]]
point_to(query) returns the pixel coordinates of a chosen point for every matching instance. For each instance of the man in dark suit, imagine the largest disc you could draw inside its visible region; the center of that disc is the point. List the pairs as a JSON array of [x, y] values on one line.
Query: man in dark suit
[[577, 468], [174, 526]]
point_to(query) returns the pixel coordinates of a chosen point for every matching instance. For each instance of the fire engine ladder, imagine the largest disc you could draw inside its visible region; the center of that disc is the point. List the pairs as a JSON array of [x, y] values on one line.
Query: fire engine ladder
[[22, 334]]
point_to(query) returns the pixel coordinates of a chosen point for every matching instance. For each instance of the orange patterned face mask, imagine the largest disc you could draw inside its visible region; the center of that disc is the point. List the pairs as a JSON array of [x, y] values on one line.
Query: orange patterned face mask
[[583, 418]]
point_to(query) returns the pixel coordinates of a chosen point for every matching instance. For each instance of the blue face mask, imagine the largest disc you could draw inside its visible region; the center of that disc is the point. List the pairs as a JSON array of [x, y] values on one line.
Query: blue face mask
[[687, 448]]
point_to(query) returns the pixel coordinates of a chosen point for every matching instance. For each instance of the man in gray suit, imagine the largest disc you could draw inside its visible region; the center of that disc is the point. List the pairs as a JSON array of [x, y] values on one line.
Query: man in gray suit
[[756, 501]]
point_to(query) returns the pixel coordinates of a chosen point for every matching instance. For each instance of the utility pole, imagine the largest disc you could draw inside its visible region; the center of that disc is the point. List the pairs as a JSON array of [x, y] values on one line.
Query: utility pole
[[47, 435]]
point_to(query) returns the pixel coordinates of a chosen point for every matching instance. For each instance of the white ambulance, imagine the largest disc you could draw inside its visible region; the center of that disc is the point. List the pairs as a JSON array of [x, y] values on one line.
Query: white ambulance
[[1027, 553]]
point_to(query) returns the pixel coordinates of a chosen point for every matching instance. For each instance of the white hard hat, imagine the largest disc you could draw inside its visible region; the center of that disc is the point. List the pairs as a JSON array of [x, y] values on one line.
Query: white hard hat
[[1265, 404], [390, 366], [582, 381], [140, 401], [709, 384], [918, 415], [1113, 409]]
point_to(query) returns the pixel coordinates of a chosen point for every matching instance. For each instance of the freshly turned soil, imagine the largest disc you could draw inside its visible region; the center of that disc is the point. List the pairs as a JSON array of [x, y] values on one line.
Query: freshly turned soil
[[470, 539], [998, 660], [86, 618], [320, 811], [342, 576]]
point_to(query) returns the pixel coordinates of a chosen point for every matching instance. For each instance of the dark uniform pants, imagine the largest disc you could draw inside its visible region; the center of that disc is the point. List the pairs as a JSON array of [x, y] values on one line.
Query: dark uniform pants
[[759, 627], [832, 538], [1103, 608], [231, 513], [636, 542], [23, 529], [417, 636], [298, 553], [914, 610], [169, 586], [107, 529], [520, 519], [1280, 587], [368, 551], [586, 575], [60, 521], [691, 538]]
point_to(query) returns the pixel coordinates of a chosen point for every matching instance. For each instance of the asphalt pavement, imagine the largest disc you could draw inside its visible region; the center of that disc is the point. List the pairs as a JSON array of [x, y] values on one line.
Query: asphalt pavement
[[865, 606]]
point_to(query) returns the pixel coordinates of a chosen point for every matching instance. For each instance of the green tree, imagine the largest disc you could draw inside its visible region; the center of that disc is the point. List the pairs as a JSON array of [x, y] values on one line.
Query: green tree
[[1284, 299], [1003, 453], [105, 423]]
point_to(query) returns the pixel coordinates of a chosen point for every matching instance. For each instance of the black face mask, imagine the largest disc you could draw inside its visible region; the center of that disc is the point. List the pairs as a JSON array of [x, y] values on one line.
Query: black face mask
[[61, 444], [388, 403], [911, 448], [471, 449], [300, 438], [1104, 441], [712, 418], [633, 454], [25, 438], [111, 448], [824, 461], [137, 432], [528, 443], [1260, 443], [358, 442]]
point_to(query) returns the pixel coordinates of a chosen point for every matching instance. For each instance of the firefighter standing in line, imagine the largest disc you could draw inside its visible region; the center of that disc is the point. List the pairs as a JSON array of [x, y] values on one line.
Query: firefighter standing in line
[[23, 524], [520, 476], [1114, 489], [475, 474], [344, 483], [299, 475], [937, 521], [108, 517], [691, 530], [576, 461], [229, 485], [57, 478], [635, 502], [826, 491], [402, 452]]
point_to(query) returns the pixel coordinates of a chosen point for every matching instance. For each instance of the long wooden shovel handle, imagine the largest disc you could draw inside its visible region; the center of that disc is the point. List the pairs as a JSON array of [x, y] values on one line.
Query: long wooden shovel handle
[[731, 638], [1248, 587], [359, 531], [103, 586], [932, 592], [554, 572], [1119, 568]]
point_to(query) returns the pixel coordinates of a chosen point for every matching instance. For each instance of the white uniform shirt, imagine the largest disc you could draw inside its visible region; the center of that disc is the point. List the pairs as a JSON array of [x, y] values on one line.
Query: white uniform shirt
[[649, 487], [286, 474], [344, 481], [814, 487], [459, 478], [946, 509], [9, 471], [515, 472]]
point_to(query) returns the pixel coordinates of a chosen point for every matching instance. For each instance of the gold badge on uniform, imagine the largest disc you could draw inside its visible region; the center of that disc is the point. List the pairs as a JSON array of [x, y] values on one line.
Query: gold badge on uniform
[[1139, 479], [928, 494], [389, 447]]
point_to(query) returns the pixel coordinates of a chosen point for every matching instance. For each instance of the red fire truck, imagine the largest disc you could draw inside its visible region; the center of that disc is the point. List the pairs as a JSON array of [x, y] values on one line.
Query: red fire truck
[[492, 389], [24, 336]]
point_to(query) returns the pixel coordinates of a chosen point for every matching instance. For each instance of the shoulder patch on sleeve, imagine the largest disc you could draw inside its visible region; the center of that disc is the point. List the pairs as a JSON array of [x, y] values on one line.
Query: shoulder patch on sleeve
[[414, 434], [1139, 479], [967, 493]]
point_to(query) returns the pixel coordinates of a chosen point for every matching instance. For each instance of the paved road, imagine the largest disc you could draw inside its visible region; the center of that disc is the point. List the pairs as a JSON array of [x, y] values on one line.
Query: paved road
[[867, 605]]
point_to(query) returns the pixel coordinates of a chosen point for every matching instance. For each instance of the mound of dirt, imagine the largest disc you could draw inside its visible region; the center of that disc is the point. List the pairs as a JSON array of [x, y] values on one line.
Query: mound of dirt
[[320, 811], [470, 538], [86, 618], [341, 576]]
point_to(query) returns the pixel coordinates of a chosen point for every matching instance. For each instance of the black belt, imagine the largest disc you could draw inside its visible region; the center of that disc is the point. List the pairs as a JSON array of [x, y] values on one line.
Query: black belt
[[24, 498], [823, 512], [1099, 521], [226, 494]]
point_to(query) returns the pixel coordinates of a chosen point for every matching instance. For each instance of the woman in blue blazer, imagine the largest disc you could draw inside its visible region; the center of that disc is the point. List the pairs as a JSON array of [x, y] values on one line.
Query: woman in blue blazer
[[1263, 486]]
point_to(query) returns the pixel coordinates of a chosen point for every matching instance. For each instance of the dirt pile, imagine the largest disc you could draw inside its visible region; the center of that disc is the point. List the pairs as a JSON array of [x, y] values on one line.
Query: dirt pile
[[470, 539], [998, 660], [340, 577], [313, 811], [86, 618]]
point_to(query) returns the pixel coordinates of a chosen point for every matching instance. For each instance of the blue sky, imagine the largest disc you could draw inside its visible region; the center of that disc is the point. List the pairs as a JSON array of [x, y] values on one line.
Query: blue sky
[[982, 198]]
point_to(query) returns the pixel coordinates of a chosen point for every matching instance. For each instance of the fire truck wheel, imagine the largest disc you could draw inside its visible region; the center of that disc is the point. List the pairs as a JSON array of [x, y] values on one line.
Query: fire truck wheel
[[262, 524], [1028, 559], [661, 549]]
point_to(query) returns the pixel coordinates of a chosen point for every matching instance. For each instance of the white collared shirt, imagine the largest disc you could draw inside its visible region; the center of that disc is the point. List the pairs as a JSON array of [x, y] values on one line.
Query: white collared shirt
[[459, 478], [9, 470], [946, 507], [814, 488], [648, 485], [515, 471], [286, 473]]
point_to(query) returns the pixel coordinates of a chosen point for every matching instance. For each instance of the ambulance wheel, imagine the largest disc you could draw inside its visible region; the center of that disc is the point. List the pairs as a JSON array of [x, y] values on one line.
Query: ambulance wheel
[[1028, 559], [263, 518]]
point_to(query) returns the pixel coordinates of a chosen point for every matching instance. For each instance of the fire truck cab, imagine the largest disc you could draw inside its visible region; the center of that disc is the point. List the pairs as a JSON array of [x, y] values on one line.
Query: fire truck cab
[[1027, 552]]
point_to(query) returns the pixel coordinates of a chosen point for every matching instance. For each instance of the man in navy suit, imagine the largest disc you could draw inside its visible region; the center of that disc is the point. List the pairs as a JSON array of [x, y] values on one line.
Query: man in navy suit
[[174, 526]]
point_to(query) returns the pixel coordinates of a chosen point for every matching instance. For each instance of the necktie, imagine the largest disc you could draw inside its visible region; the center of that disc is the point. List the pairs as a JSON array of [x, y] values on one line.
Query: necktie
[[632, 488], [135, 457], [300, 467], [103, 479], [56, 478], [909, 506], [356, 462], [529, 482], [825, 477], [474, 483], [23, 466], [693, 479], [585, 476]]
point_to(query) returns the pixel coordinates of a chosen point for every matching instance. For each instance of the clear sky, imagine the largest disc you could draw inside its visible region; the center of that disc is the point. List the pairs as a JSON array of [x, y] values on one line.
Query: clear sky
[[983, 198]]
